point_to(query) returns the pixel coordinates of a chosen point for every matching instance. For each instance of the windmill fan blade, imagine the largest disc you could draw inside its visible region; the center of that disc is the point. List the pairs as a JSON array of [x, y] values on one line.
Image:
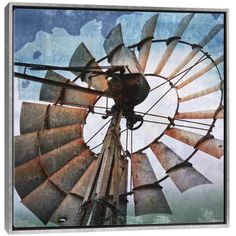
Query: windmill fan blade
[[143, 174], [146, 41], [211, 145], [184, 175], [172, 44], [118, 53], [44, 200], [82, 58], [29, 146], [201, 72], [196, 49], [32, 173], [34, 117], [50, 93], [202, 93], [207, 114], [67, 213], [69, 174]]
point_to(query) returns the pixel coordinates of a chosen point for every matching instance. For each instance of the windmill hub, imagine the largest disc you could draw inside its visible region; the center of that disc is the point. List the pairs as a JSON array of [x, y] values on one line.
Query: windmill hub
[[130, 90]]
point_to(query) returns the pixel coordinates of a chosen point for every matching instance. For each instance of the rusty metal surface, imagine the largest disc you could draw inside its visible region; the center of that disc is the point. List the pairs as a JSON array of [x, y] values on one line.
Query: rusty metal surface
[[57, 158], [147, 34], [33, 117], [201, 93], [81, 58], [201, 72], [171, 46], [212, 146], [67, 213], [185, 176], [49, 93], [69, 174], [207, 114], [28, 176], [27, 145], [81, 186], [44, 200], [150, 199]]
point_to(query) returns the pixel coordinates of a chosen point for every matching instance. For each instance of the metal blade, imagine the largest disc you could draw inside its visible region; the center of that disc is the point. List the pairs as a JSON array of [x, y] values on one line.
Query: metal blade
[[28, 146], [29, 176], [67, 213], [50, 93], [207, 114], [57, 158], [146, 41], [196, 49], [44, 200], [69, 174], [201, 72], [148, 200], [118, 53], [81, 186], [172, 44], [34, 117], [212, 146], [202, 93], [182, 174], [82, 58]]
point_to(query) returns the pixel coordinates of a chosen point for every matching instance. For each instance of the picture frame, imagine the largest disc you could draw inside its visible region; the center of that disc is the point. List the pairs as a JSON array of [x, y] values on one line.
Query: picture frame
[[95, 29]]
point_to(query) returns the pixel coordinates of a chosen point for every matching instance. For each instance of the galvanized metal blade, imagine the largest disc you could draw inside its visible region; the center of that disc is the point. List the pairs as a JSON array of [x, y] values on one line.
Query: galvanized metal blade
[[69, 174], [201, 93], [31, 145], [201, 72], [50, 93], [34, 117], [206, 114], [182, 173], [210, 145], [172, 44], [147, 199], [146, 41], [44, 200], [82, 57], [196, 49], [118, 54]]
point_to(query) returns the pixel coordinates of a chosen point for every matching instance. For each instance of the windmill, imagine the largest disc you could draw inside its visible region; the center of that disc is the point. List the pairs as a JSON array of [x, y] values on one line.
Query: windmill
[[62, 180]]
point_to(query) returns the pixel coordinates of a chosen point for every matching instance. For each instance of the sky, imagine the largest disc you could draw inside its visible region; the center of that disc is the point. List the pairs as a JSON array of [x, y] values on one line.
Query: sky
[[51, 37]]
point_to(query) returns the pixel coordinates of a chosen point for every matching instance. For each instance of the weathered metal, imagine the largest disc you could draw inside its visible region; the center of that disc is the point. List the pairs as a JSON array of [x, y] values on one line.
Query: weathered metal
[[182, 173], [69, 174], [212, 146], [50, 93], [28, 146], [201, 93], [196, 49], [172, 44], [206, 114], [146, 41], [44, 200], [201, 72], [147, 199], [48, 117]]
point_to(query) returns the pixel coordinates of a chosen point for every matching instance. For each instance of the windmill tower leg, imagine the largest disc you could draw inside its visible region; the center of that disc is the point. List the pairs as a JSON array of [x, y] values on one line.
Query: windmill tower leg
[[98, 200]]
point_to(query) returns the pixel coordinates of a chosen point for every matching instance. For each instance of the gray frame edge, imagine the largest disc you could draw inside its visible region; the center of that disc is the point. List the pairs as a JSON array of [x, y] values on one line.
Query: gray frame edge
[[8, 119]]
